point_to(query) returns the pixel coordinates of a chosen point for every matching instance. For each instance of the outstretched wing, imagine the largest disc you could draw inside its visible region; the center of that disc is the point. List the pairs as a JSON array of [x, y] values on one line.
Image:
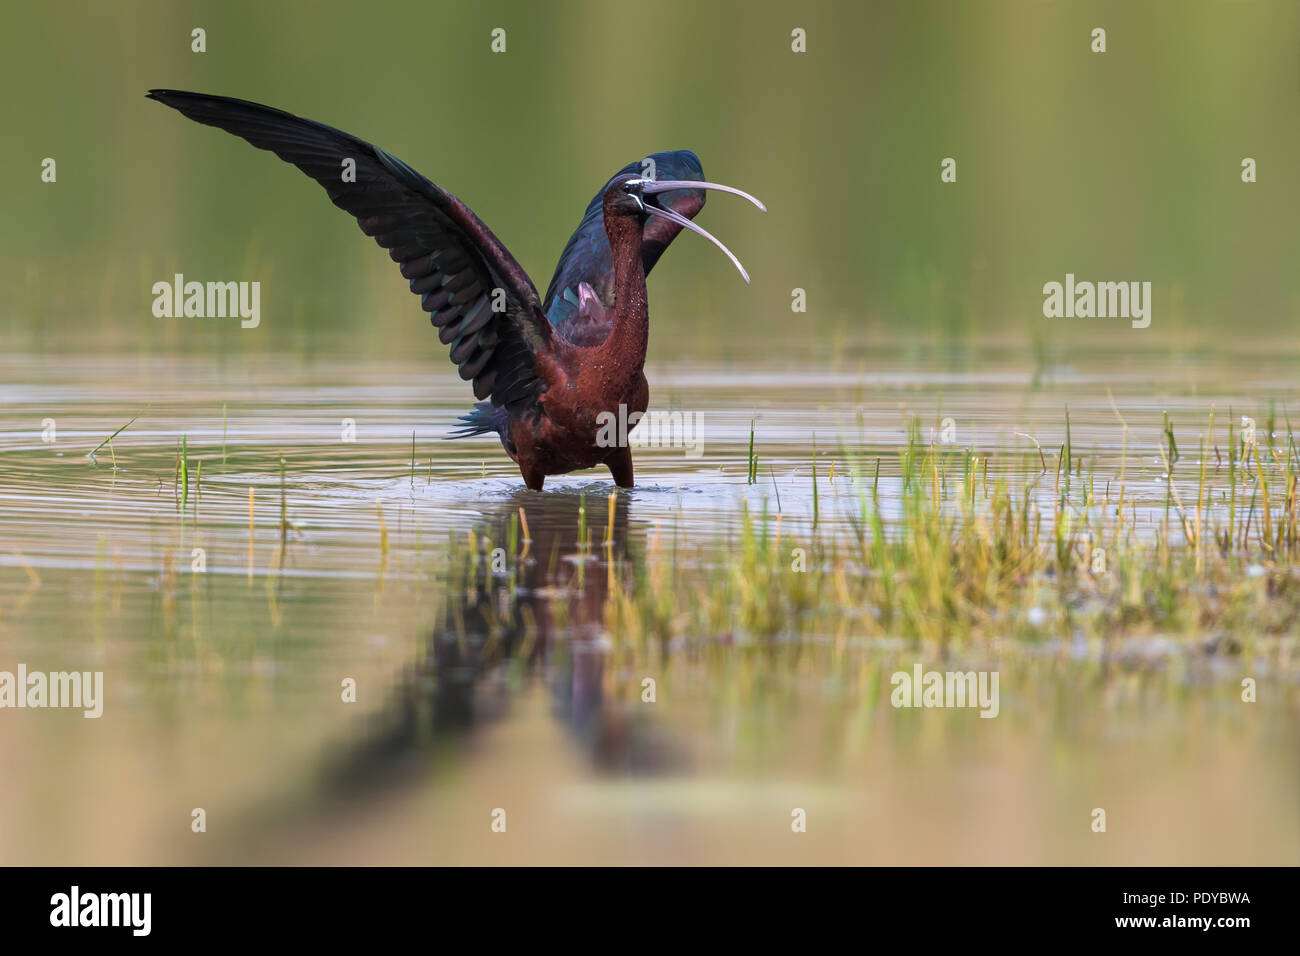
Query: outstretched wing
[[587, 257], [452, 260]]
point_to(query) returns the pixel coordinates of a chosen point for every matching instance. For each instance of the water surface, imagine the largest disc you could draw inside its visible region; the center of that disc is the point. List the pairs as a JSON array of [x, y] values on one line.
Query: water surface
[[514, 691]]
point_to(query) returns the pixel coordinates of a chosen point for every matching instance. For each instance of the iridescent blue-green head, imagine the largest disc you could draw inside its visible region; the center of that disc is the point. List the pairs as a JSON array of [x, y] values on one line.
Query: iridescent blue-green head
[[670, 185]]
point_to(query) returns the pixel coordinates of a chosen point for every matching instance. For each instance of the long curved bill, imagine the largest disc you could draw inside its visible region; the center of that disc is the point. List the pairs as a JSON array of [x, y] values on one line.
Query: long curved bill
[[663, 186], [668, 185]]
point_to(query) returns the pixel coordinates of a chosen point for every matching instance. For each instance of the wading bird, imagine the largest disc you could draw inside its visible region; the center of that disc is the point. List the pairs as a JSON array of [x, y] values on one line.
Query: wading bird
[[553, 370]]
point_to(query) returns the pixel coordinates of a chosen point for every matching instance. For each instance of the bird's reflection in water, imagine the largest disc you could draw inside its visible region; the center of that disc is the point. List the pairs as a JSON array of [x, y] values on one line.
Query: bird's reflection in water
[[509, 622]]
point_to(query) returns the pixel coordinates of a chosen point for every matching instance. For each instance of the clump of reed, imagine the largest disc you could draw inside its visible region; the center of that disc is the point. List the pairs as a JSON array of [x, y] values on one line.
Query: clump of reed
[[972, 553]]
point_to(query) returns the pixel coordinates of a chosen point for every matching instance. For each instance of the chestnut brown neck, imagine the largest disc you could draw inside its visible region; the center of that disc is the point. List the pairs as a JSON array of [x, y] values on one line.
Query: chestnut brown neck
[[625, 348]]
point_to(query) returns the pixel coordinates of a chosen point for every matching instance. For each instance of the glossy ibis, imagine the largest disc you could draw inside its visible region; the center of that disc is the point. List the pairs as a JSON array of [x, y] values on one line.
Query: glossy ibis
[[550, 368]]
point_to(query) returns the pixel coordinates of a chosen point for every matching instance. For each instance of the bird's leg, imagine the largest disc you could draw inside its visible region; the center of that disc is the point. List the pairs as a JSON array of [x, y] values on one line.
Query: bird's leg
[[620, 466]]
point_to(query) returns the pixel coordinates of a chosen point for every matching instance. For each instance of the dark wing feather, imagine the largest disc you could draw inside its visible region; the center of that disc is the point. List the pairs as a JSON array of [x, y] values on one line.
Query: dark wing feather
[[587, 257], [452, 260]]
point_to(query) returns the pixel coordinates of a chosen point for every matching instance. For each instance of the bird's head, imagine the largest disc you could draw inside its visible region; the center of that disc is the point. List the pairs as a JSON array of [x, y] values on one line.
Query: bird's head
[[632, 197]]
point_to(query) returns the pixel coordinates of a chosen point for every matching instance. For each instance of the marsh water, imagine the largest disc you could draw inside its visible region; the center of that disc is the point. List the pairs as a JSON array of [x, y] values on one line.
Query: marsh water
[[323, 536]]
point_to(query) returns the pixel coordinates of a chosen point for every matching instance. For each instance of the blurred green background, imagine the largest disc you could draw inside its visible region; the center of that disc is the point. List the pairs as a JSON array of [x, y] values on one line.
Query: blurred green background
[[1116, 166]]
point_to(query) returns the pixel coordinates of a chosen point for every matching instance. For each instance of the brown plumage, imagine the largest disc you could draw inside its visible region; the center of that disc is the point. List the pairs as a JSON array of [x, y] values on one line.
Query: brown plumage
[[548, 382]]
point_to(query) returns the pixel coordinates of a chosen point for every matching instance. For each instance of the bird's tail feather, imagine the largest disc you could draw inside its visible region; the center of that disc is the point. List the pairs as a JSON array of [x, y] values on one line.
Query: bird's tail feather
[[478, 422]]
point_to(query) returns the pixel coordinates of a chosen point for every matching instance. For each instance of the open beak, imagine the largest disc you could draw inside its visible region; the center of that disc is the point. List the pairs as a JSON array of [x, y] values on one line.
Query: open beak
[[669, 185]]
